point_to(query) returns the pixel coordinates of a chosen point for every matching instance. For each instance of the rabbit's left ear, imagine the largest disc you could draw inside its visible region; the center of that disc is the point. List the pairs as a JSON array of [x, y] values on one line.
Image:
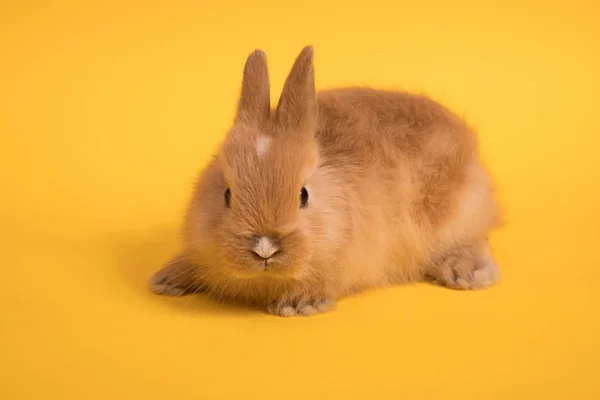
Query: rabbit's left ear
[[297, 107]]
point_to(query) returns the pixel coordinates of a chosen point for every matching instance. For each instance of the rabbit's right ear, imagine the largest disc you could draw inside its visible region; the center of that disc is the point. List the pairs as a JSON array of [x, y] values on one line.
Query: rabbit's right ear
[[254, 104]]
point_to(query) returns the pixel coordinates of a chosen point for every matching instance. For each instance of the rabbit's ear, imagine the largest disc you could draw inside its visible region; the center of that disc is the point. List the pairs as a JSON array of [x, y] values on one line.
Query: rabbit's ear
[[297, 107], [254, 104]]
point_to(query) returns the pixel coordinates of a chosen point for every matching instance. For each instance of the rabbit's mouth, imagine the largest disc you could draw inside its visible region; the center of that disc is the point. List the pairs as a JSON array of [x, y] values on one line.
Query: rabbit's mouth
[[272, 265], [257, 256], [265, 263], [251, 266]]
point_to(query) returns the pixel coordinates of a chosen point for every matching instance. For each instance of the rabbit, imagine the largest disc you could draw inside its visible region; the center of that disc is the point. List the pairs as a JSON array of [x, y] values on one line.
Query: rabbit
[[332, 193]]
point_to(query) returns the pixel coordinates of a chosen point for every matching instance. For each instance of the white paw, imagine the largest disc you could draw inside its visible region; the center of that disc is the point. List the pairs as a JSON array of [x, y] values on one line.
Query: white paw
[[485, 276], [481, 277], [304, 307]]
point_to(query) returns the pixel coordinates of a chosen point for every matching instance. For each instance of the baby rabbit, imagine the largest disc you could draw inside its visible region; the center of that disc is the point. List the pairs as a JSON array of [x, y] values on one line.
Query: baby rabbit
[[333, 193]]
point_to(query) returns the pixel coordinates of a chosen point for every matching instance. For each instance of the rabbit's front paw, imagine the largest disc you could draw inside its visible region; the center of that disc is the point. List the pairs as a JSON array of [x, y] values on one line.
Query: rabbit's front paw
[[176, 278], [303, 306]]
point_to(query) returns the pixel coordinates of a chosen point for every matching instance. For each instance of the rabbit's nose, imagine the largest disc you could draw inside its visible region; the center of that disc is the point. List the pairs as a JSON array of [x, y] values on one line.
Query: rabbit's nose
[[264, 247]]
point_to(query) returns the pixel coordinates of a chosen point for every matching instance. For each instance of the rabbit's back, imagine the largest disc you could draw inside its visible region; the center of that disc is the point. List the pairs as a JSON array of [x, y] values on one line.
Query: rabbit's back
[[380, 126], [407, 138], [409, 171]]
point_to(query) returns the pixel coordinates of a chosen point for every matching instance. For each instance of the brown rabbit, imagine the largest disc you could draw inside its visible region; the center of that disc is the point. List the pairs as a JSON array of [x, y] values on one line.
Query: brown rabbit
[[333, 193]]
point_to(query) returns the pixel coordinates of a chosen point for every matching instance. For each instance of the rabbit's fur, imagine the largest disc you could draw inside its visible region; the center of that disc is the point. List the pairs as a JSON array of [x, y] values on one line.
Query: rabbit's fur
[[395, 187]]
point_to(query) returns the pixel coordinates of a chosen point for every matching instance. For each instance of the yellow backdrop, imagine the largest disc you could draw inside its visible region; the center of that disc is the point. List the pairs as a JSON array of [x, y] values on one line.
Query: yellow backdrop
[[108, 110]]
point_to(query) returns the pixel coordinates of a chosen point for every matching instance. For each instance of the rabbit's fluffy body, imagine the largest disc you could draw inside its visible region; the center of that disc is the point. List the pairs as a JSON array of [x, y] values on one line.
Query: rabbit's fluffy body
[[395, 192]]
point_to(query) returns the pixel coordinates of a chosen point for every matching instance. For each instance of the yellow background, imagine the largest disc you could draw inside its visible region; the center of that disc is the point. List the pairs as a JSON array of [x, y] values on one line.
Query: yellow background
[[108, 111]]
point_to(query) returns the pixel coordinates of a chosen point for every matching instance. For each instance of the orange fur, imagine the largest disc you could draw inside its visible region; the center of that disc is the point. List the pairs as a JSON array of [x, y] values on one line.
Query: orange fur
[[396, 188]]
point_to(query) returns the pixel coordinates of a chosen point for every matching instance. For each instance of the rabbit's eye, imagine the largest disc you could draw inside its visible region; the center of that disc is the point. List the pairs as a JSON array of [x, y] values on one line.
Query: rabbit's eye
[[303, 197], [228, 198]]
